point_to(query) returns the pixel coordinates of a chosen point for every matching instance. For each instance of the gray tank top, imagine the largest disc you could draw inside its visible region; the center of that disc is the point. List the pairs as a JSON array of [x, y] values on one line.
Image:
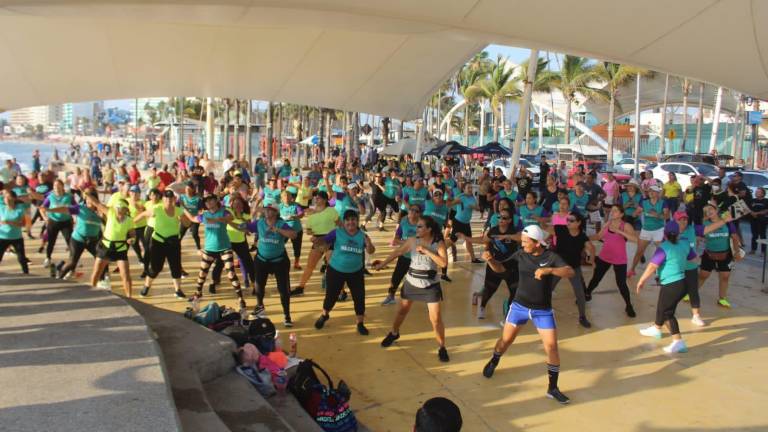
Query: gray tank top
[[423, 272]]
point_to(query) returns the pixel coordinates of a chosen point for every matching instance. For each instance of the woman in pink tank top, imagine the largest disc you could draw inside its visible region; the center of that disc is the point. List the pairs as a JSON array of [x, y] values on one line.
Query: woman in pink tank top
[[615, 235]]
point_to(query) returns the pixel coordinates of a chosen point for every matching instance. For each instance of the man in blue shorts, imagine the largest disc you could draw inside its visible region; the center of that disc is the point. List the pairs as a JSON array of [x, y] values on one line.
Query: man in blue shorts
[[539, 269]]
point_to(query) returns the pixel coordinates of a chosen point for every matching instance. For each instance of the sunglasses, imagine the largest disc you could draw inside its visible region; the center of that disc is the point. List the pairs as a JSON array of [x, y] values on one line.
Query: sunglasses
[[417, 210], [505, 218], [420, 226], [571, 220]]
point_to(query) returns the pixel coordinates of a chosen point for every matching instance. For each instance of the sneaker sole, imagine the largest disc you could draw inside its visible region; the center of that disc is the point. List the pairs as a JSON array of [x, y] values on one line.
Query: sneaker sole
[[549, 396]]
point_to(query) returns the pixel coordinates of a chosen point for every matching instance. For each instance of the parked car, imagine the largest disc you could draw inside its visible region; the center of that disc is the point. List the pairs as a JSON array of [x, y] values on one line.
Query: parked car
[[600, 167], [627, 166], [690, 157], [549, 153], [505, 165], [753, 179], [683, 171]]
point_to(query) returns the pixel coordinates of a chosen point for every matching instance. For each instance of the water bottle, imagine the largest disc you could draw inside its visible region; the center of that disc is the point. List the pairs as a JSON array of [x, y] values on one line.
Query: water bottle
[[196, 304], [293, 339]]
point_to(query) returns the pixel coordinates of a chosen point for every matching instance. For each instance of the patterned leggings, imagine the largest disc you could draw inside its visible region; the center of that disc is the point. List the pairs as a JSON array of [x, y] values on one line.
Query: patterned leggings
[[227, 256]]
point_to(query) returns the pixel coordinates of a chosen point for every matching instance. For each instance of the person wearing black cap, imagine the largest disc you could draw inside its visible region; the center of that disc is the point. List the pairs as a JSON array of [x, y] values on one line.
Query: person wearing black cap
[[539, 270], [438, 415]]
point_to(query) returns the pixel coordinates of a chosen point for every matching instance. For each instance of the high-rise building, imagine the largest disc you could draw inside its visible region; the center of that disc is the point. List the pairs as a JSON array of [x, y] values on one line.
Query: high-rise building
[[67, 118], [39, 115]]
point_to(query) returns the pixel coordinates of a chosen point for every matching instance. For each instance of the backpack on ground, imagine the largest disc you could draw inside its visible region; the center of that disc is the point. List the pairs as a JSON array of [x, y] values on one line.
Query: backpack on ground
[[329, 406], [262, 332], [208, 315]]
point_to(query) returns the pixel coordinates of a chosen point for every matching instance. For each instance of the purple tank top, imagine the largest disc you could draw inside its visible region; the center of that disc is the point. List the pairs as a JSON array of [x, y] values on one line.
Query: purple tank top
[[614, 249]]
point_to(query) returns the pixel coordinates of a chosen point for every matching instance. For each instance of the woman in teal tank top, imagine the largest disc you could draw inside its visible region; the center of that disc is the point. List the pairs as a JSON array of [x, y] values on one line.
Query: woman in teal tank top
[[11, 222], [669, 261], [292, 213], [346, 266], [192, 203], [57, 222], [718, 255], [272, 258]]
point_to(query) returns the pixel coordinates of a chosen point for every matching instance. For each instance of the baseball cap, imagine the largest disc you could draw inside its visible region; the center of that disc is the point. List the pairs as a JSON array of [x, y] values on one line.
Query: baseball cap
[[535, 233], [671, 228], [121, 203], [169, 194], [135, 188], [680, 215], [655, 188], [352, 186]]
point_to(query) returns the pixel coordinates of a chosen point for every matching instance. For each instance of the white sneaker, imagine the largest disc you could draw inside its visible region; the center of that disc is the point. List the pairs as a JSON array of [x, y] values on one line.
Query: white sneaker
[[46, 263], [651, 331], [677, 346], [480, 312], [697, 321]]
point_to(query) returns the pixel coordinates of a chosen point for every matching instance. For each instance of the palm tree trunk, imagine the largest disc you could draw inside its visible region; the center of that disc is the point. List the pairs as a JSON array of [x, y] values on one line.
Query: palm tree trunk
[[495, 125], [700, 120], [663, 130], [524, 106], [270, 136], [686, 89], [541, 129], [466, 125], [716, 119], [568, 103], [502, 124], [209, 132], [225, 147], [400, 130], [321, 140], [248, 143], [236, 146], [611, 124], [356, 135], [385, 131], [482, 124]]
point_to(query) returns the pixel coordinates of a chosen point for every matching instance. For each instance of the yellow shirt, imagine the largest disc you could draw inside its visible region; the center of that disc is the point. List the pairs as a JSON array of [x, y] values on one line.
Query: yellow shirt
[[672, 189], [322, 223]]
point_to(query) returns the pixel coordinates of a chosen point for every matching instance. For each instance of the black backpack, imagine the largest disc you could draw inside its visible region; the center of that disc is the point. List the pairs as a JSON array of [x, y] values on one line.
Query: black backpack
[[262, 332]]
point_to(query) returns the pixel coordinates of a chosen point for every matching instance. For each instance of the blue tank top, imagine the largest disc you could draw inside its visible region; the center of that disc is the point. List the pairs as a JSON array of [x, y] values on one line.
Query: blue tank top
[[417, 197], [653, 223], [270, 244], [216, 237], [348, 251], [689, 236], [286, 212], [438, 213], [88, 224], [271, 196], [56, 201], [407, 230], [527, 215], [191, 204], [673, 267]]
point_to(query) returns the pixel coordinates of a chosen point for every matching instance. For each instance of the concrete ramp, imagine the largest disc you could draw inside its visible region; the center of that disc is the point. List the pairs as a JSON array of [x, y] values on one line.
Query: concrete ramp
[[75, 358]]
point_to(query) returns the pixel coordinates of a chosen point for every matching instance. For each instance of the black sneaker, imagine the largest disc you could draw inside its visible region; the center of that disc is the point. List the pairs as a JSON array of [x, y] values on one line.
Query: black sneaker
[[361, 329], [288, 322], [144, 291], [446, 278], [321, 321], [258, 310], [143, 275], [323, 267], [343, 296], [180, 294], [297, 292], [389, 339], [584, 322], [212, 288], [184, 274], [490, 367], [477, 261], [630, 311], [442, 354], [367, 272], [558, 396]]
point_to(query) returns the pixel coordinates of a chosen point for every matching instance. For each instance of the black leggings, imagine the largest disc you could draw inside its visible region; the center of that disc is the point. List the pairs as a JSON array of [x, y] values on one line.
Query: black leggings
[[281, 269], [619, 271], [228, 258], [194, 227], [297, 245], [758, 232], [76, 249], [246, 264], [139, 232], [335, 281], [170, 250], [54, 228], [401, 268], [692, 287], [18, 246], [146, 241], [493, 280], [669, 296]]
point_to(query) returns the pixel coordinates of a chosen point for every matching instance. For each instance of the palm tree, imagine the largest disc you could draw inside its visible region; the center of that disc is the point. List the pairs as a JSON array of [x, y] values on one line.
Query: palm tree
[[616, 75], [544, 82], [573, 79], [499, 86]]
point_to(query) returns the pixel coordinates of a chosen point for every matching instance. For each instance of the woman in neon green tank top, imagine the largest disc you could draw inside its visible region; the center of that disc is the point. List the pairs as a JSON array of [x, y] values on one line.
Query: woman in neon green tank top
[[165, 243], [322, 220], [118, 233]]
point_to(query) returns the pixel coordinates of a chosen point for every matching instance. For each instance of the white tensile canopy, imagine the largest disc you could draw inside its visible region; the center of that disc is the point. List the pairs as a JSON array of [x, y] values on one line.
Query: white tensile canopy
[[380, 57], [406, 146]]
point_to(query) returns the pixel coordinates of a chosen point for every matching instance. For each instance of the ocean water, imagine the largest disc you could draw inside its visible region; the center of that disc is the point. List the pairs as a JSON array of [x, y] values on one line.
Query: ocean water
[[23, 152]]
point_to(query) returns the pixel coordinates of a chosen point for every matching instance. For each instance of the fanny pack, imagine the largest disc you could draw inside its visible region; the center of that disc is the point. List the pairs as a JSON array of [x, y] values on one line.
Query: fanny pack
[[170, 241], [717, 256], [422, 274]]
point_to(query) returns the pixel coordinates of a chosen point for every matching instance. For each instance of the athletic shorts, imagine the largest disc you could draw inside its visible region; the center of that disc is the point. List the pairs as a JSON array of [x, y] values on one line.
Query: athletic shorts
[[652, 236], [430, 294], [110, 254], [542, 318], [708, 264], [460, 228]]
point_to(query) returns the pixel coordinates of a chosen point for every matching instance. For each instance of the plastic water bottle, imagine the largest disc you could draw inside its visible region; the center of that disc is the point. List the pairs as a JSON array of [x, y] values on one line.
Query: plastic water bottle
[[196, 304], [293, 340]]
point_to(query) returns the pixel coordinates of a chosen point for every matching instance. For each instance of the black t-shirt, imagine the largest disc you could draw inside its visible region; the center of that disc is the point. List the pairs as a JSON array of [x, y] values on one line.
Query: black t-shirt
[[376, 193], [523, 185], [760, 204], [502, 250], [543, 172], [594, 191], [531, 292], [548, 198], [701, 195], [723, 200], [741, 187], [568, 246]]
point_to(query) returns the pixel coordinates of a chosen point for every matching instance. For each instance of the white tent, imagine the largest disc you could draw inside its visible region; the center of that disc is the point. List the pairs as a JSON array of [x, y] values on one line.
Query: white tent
[[404, 147], [384, 58]]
